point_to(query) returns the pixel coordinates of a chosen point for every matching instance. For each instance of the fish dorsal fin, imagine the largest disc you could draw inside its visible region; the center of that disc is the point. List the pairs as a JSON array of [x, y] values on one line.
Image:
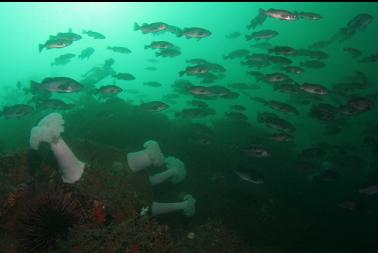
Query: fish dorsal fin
[[47, 79], [70, 30]]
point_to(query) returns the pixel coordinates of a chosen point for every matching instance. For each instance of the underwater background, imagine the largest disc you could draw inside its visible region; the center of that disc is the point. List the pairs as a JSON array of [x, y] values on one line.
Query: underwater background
[[278, 159]]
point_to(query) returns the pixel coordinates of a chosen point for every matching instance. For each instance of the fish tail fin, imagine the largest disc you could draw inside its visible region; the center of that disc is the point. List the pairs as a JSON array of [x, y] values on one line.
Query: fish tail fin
[[259, 100], [260, 117], [84, 32], [40, 47], [26, 90], [259, 76], [177, 114], [34, 86], [181, 73], [258, 20], [38, 105], [312, 176], [248, 37], [109, 47], [136, 26], [146, 46]]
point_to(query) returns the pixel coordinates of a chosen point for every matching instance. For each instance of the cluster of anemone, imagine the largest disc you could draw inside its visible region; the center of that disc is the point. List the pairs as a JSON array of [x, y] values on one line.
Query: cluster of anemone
[[174, 171], [49, 130]]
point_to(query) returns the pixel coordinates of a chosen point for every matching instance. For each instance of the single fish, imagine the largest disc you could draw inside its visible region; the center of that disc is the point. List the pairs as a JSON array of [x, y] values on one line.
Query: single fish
[[198, 103], [155, 27], [236, 116], [86, 53], [281, 137], [273, 121], [293, 69], [195, 113], [315, 89], [95, 35], [257, 151], [67, 36], [159, 45], [16, 111], [369, 190], [124, 76], [273, 13], [55, 104], [169, 52], [63, 59], [121, 50], [196, 32], [154, 106], [369, 59], [195, 70], [252, 176], [263, 34], [150, 68], [240, 53], [238, 107], [54, 43], [280, 60], [353, 51], [282, 50], [320, 44], [57, 84], [109, 89], [308, 15]]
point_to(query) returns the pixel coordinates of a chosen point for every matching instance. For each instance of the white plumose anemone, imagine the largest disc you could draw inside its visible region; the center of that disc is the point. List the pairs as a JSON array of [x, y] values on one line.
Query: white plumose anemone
[[49, 130], [188, 206], [151, 155], [175, 172]]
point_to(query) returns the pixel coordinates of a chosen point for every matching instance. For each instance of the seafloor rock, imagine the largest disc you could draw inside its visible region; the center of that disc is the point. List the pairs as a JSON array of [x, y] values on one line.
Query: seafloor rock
[[100, 213], [109, 197], [212, 236]]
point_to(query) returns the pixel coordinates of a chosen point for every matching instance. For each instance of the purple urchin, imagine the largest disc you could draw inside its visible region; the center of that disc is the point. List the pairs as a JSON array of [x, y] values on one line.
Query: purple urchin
[[47, 219]]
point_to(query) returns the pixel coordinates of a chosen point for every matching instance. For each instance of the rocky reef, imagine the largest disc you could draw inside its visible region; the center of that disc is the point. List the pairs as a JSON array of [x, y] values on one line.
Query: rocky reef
[[99, 213]]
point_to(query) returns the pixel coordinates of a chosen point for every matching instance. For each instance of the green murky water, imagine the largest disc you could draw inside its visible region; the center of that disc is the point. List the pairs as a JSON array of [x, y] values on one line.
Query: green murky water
[[307, 141]]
